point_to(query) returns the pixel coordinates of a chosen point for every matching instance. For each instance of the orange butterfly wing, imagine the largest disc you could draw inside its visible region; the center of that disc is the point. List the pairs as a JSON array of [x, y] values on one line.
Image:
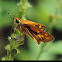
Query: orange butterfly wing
[[37, 34], [39, 26]]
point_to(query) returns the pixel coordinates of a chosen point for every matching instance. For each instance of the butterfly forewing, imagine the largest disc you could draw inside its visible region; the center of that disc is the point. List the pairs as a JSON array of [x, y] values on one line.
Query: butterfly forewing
[[39, 26]]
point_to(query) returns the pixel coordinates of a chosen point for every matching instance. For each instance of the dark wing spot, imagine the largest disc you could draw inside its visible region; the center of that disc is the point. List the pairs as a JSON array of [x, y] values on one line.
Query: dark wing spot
[[30, 30], [37, 26], [42, 38], [42, 27]]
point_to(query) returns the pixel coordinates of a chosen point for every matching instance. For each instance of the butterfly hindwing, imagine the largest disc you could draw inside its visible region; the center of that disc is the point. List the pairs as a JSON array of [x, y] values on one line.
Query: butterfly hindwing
[[37, 34]]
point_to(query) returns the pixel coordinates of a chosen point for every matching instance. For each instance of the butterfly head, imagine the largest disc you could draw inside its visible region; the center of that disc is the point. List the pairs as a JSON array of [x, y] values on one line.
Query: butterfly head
[[17, 20]]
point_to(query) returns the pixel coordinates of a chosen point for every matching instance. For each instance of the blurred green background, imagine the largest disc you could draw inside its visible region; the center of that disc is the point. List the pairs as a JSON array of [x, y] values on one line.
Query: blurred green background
[[46, 12]]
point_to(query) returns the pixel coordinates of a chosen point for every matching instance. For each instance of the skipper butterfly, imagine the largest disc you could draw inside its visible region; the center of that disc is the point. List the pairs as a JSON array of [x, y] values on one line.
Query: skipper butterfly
[[35, 30]]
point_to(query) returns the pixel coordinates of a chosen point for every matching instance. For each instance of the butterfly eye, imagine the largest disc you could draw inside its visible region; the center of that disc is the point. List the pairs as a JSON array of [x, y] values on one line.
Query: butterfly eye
[[17, 21]]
